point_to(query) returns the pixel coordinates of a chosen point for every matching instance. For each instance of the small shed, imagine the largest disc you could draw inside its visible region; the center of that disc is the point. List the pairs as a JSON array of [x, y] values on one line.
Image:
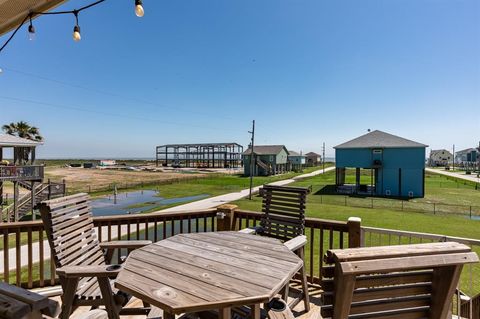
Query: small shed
[[313, 159], [268, 160], [396, 165]]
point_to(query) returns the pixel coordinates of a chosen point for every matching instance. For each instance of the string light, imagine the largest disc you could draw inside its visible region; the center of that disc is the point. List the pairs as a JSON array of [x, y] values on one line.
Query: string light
[[31, 30], [139, 12], [76, 29]]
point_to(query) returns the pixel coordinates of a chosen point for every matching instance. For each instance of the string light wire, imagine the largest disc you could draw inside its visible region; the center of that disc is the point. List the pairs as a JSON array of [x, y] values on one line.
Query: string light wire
[[31, 14]]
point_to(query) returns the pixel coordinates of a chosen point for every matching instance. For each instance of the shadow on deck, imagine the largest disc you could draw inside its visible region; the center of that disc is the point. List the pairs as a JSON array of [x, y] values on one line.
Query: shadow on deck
[[298, 311]]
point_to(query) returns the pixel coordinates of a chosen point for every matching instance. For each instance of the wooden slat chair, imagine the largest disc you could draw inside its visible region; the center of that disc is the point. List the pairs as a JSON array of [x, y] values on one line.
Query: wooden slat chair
[[81, 262], [16, 302], [284, 218], [406, 281]]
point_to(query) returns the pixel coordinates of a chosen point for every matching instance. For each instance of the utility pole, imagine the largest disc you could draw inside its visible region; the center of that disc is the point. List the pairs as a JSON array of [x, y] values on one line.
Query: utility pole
[[323, 156], [453, 162], [252, 158]]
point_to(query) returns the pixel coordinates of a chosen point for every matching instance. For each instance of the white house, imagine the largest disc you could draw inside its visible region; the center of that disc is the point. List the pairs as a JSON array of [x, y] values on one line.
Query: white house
[[440, 158], [468, 155]]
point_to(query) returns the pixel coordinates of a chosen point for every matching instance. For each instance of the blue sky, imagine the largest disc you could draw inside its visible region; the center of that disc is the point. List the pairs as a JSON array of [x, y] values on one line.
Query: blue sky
[[308, 71]]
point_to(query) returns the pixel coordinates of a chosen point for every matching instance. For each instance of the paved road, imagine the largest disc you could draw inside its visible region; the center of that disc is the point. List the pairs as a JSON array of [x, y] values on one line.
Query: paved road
[[471, 178], [197, 205]]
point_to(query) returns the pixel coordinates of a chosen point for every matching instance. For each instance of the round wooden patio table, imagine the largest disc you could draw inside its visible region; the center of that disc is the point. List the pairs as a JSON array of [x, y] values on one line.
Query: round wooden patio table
[[208, 271]]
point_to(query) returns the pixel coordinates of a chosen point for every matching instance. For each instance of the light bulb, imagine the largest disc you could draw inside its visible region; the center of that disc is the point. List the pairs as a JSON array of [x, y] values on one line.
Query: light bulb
[[76, 34], [139, 8], [31, 32]]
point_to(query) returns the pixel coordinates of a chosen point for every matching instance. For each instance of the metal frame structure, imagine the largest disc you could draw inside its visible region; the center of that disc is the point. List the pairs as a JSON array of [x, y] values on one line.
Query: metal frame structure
[[206, 155]]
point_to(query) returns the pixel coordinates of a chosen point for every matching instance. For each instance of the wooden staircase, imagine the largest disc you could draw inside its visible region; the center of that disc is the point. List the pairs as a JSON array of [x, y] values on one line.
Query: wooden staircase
[[42, 191], [263, 165]]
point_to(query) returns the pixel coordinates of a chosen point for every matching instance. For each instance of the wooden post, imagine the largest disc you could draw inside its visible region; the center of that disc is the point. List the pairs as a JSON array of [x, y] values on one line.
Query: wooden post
[[15, 200], [354, 232], [226, 217], [444, 284], [32, 194]]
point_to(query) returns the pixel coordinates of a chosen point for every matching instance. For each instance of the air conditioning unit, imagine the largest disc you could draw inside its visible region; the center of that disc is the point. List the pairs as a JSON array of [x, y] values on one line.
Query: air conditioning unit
[[410, 194], [388, 192]]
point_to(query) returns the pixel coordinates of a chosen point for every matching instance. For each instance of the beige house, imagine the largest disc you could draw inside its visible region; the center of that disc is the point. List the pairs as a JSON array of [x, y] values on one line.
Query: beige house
[[440, 158]]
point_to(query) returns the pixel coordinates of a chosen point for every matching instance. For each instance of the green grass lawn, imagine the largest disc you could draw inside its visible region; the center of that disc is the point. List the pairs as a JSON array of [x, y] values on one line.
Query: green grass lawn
[[438, 188], [213, 185]]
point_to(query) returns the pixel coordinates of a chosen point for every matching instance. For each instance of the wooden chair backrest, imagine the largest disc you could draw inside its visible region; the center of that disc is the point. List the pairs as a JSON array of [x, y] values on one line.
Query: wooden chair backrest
[[283, 211], [69, 226], [406, 281]]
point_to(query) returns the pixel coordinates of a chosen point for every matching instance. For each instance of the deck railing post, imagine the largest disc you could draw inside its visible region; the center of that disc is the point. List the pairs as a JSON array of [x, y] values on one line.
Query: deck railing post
[[354, 232], [226, 217]]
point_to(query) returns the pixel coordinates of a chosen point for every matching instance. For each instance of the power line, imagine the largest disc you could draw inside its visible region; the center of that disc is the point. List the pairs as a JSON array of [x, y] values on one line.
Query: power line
[[80, 109], [133, 99]]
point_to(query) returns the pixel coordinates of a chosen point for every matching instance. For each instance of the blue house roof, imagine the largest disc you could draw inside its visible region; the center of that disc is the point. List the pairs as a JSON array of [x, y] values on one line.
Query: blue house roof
[[379, 139]]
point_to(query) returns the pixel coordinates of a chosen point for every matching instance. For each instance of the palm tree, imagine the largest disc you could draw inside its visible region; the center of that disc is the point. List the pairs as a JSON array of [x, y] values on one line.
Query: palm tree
[[24, 130]]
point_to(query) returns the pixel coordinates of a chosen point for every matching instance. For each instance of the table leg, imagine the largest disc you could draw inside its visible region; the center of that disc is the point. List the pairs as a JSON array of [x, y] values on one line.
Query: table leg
[[255, 311], [168, 315], [225, 313]]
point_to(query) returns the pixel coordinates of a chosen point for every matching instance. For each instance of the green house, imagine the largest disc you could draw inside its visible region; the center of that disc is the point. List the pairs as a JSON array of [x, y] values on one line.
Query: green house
[[268, 160]]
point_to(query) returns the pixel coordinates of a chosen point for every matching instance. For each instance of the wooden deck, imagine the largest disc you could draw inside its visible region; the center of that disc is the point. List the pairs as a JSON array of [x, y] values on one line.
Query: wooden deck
[[298, 311]]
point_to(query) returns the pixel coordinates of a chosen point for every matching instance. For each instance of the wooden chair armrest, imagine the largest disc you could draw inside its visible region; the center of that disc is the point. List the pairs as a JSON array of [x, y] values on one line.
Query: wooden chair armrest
[[110, 271], [406, 263], [129, 244], [278, 309], [296, 243]]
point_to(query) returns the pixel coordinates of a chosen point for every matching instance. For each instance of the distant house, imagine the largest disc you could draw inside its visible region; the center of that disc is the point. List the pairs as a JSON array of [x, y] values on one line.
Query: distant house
[[396, 165], [440, 158], [466, 156], [108, 163], [313, 159], [269, 160], [296, 160]]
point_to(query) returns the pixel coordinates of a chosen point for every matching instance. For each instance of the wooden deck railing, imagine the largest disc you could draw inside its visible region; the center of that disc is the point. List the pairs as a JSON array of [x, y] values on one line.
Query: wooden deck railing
[[26, 252], [322, 235], [21, 172]]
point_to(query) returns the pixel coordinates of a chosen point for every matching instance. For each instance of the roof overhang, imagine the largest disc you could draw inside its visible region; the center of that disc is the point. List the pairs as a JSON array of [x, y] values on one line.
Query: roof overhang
[[13, 12], [15, 141]]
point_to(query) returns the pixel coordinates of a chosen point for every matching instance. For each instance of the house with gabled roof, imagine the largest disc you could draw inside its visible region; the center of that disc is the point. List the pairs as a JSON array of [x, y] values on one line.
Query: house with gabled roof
[[395, 164], [440, 158], [268, 160], [313, 159], [296, 161], [468, 155]]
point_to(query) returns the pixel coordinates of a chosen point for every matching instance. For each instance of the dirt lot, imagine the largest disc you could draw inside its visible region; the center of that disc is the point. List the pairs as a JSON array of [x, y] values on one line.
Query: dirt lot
[[81, 179]]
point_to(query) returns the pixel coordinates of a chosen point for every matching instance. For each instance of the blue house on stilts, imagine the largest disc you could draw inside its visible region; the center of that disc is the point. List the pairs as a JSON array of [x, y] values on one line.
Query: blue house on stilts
[[397, 165]]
